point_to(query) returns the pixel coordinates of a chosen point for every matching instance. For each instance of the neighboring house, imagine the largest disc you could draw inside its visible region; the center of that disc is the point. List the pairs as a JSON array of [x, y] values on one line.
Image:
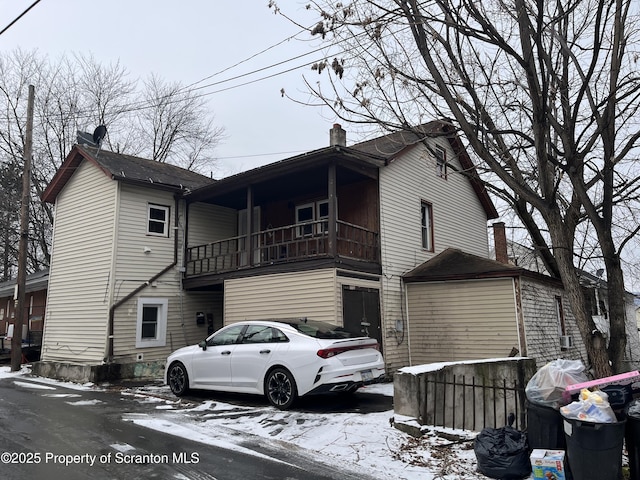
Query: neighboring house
[[146, 260], [33, 316], [461, 306], [595, 289]]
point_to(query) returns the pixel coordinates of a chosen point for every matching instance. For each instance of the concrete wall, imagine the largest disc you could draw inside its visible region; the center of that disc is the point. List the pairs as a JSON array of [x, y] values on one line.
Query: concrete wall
[[451, 394]]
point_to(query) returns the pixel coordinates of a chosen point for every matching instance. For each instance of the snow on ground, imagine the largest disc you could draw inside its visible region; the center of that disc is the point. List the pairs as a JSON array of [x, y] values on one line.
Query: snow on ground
[[367, 443], [362, 442]]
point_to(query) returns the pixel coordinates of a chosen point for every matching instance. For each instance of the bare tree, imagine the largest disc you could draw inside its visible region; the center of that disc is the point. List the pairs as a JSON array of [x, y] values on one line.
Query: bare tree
[[178, 127], [78, 93], [545, 93]]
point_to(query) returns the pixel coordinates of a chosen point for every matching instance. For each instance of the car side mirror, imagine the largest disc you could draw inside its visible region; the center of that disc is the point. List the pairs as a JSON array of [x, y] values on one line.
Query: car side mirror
[[203, 344]]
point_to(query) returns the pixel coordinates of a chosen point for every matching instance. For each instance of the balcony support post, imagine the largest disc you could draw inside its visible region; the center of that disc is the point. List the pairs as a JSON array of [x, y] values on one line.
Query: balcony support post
[[333, 219], [249, 237]]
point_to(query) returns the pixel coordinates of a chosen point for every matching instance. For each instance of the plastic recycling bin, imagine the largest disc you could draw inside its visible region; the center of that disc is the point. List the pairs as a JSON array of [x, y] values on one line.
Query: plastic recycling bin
[[632, 437], [544, 427], [594, 450]]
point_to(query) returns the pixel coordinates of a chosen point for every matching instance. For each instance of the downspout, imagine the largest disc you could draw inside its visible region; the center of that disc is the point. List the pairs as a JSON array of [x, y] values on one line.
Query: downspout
[[112, 309]]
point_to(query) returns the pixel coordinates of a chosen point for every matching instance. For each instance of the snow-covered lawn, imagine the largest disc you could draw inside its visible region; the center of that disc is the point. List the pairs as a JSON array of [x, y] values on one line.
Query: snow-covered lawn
[[361, 442]]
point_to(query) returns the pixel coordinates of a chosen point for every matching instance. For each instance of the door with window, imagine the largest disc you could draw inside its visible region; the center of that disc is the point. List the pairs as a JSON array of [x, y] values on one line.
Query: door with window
[[212, 366], [361, 311]]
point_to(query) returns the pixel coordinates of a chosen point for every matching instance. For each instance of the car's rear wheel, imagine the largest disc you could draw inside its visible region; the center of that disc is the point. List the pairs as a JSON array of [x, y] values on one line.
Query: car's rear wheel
[[178, 379], [280, 388]]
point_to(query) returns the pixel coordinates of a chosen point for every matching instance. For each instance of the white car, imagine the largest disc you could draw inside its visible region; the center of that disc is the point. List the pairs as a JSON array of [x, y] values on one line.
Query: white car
[[281, 359]]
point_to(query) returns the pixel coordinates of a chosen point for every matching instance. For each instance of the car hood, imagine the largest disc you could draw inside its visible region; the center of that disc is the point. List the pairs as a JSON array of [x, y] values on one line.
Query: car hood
[[184, 351]]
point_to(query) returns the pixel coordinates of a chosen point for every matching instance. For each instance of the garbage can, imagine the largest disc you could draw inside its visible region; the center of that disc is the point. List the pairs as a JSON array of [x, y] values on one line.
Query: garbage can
[[632, 437], [544, 427], [594, 450]]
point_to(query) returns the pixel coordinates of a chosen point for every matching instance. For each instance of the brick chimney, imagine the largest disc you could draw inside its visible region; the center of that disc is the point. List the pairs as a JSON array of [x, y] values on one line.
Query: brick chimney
[[500, 242], [337, 136]]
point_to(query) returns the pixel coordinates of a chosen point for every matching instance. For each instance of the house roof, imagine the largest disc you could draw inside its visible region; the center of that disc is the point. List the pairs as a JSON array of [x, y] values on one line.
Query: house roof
[[391, 145], [454, 264], [364, 156], [346, 156], [125, 168], [34, 282]]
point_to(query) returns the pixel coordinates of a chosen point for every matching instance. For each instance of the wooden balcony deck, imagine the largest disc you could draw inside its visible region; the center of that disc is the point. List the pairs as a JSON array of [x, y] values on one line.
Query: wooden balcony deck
[[291, 243]]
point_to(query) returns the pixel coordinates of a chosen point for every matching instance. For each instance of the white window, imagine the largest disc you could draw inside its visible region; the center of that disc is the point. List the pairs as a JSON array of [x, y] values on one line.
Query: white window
[[151, 327], [305, 218], [322, 213], [441, 161], [310, 214], [158, 220], [426, 214]]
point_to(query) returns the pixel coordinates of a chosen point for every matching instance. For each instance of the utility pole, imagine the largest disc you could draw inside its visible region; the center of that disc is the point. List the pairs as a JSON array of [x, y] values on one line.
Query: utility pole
[[16, 340]]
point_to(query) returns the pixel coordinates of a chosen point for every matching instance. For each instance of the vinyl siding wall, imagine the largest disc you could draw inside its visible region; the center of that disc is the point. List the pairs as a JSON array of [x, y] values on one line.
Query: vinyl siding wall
[[453, 321], [209, 223], [301, 294], [542, 327], [458, 218], [182, 329], [134, 267], [77, 301]]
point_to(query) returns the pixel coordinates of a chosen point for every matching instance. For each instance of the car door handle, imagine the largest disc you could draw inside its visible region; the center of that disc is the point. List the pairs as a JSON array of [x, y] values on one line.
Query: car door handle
[[226, 352], [265, 351]]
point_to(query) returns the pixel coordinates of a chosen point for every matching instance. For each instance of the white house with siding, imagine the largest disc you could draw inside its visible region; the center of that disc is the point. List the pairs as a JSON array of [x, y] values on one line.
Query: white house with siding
[[146, 260], [114, 294]]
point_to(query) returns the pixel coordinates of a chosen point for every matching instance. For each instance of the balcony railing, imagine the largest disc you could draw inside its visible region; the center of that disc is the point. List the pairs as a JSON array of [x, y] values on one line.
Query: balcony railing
[[281, 245]]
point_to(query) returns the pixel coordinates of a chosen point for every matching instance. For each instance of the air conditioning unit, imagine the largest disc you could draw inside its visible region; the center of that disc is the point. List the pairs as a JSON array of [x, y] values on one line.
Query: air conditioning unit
[[566, 341]]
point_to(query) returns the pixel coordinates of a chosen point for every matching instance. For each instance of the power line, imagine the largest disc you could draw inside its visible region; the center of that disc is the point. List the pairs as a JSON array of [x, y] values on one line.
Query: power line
[[19, 16]]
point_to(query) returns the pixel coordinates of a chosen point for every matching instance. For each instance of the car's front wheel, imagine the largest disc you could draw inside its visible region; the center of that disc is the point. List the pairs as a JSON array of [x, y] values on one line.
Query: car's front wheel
[[178, 379], [280, 388]]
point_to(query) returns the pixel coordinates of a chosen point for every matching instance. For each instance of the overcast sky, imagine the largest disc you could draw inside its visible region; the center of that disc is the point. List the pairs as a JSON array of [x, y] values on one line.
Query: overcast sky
[[189, 41]]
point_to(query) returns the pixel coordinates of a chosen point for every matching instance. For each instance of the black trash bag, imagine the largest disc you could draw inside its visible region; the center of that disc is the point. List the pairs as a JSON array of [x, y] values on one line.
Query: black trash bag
[[502, 453]]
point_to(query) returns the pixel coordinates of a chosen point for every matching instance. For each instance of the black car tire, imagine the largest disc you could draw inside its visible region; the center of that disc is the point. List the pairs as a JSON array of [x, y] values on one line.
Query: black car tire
[[178, 379], [280, 388]]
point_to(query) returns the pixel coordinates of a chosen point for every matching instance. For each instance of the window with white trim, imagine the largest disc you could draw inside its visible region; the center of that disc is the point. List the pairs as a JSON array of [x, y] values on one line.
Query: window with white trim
[[151, 325], [322, 213], [309, 213], [305, 217], [426, 214], [158, 220]]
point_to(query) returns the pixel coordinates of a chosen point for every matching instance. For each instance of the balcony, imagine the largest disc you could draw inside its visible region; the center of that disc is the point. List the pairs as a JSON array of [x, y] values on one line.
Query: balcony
[[291, 243]]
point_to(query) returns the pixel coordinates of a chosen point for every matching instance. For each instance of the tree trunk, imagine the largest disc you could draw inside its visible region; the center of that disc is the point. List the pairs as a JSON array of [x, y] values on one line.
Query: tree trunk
[[595, 345], [617, 311]]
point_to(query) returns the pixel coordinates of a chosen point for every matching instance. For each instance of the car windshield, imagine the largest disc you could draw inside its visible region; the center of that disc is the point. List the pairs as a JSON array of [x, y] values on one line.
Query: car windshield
[[321, 329]]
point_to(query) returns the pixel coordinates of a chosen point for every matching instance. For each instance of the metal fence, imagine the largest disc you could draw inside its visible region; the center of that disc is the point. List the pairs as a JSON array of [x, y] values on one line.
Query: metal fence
[[467, 403]]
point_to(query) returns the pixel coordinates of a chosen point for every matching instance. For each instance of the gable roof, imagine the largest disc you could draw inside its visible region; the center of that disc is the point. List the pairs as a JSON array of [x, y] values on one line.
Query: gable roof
[[127, 169], [368, 155], [391, 145]]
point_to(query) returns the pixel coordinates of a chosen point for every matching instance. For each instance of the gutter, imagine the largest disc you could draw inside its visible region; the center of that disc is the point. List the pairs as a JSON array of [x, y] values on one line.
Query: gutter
[[112, 309]]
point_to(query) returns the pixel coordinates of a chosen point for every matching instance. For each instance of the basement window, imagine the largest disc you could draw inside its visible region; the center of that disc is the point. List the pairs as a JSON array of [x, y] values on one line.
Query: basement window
[[151, 325]]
